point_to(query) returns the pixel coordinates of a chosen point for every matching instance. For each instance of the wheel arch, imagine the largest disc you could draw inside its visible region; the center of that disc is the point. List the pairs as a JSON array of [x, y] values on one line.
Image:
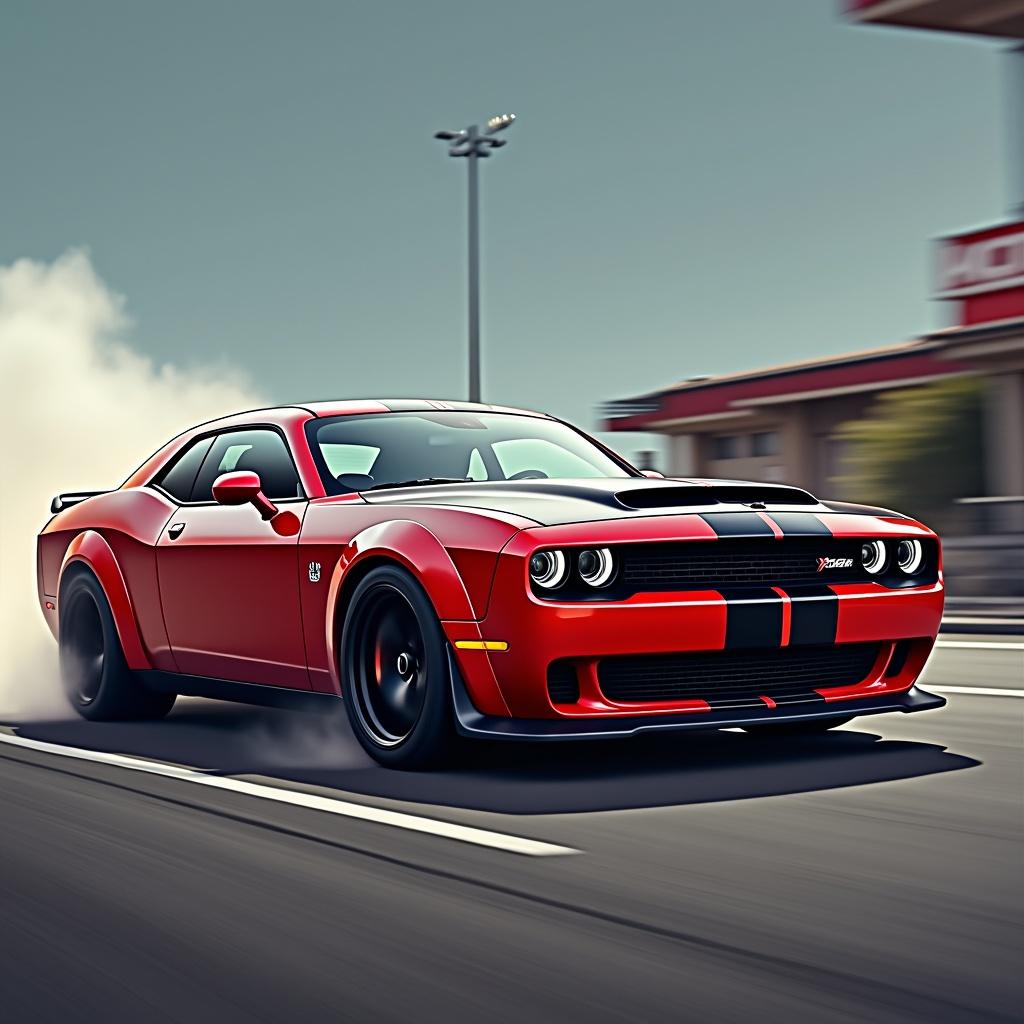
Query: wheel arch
[[410, 546], [90, 552]]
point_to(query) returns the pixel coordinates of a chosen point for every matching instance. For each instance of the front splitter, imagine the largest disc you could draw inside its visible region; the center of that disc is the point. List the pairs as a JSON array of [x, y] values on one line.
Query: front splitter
[[470, 722]]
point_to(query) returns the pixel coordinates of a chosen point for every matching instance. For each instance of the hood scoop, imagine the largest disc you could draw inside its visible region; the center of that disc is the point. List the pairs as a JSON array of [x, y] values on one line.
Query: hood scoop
[[734, 494]]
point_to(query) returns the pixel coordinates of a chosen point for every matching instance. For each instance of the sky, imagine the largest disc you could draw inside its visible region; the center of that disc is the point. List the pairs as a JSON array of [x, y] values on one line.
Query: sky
[[690, 188]]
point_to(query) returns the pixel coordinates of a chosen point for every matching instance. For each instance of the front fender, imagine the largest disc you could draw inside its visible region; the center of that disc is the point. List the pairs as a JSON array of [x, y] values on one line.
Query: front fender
[[413, 546], [91, 549]]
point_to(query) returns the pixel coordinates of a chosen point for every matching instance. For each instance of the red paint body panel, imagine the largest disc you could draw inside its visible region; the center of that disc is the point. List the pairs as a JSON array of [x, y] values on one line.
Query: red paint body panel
[[229, 587], [232, 598], [871, 612]]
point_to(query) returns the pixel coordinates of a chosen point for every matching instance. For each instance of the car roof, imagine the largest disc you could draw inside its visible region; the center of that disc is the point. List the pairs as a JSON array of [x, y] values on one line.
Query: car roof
[[357, 407], [289, 417], [363, 406]]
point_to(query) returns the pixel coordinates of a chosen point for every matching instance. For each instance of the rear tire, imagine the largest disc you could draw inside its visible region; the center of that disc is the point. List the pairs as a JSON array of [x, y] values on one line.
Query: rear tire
[[811, 727], [394, 671], [96, 678]]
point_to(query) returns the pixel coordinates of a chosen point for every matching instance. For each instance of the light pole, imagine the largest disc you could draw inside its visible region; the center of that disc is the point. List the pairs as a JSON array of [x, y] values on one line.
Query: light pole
[[473, 144]]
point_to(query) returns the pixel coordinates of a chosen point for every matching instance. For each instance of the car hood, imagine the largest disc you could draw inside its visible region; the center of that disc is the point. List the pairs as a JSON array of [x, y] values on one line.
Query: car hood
[[559, 502]]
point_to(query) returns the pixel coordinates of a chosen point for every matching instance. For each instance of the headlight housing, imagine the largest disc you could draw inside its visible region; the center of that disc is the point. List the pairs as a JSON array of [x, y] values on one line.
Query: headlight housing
[[872, 556], [549, 569], [909, 556], [596, 566]]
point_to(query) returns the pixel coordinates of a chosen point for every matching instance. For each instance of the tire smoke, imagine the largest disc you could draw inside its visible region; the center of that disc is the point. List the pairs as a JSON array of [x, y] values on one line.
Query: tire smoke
[[79, 408]]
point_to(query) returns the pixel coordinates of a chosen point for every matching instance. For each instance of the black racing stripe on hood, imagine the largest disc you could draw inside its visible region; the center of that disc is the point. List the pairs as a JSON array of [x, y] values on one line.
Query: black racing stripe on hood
[[737, 524], [799, 524]]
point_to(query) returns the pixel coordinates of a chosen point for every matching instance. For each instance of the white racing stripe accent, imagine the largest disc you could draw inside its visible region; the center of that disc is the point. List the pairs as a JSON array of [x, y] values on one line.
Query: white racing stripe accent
[[981, 645], [981, 691], [311, 801]]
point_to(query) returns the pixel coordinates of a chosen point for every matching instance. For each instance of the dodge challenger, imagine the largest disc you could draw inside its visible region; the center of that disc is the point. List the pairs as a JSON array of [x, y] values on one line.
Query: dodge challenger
[[453, 570]]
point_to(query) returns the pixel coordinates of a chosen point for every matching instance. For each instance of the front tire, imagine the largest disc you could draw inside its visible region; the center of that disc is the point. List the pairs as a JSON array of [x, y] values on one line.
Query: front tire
[[394, 672], [96, 678]]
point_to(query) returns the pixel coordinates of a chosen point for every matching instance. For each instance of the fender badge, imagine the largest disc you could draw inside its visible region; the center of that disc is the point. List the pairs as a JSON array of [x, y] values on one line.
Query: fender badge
[[314, 572]]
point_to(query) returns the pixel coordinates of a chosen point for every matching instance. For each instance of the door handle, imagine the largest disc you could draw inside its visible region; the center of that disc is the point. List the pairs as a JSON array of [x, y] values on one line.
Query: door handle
[[174, 532]]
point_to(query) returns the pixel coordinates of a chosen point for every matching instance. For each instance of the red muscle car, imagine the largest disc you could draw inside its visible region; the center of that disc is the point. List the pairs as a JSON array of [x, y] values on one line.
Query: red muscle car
[[455, 570]]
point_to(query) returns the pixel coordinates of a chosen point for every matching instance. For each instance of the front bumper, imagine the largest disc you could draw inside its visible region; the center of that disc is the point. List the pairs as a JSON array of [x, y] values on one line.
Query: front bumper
[[470, 722], [535, 633]]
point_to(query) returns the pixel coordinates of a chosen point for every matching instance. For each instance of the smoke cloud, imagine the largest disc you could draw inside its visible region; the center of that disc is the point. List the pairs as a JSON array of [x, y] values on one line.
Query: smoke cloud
[[79, 408]]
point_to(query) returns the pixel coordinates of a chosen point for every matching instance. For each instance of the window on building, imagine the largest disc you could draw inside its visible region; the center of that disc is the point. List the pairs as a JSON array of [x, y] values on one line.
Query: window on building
[[835, 452], [725, 446], [765, 442]]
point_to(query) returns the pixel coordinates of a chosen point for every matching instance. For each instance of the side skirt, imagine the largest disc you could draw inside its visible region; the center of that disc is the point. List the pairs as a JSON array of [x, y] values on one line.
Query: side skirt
[[241, 693]]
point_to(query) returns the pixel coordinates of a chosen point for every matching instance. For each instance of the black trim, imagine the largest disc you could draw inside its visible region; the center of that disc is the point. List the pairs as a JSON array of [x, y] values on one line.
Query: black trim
[[69, 498], [753, 617], [232, 690], [803, 699], [737, 524], [814, 615], [672, 495], [470, 722], [215, 433], [799, 524]]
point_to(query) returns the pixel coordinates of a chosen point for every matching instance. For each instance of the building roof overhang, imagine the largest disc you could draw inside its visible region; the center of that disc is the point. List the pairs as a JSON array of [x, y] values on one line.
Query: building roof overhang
[[730, 396], [974, 17]]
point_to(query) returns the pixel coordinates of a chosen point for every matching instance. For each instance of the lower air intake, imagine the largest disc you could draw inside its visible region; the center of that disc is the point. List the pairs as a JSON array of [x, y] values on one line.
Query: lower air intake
[[735, 676], [563, 686]]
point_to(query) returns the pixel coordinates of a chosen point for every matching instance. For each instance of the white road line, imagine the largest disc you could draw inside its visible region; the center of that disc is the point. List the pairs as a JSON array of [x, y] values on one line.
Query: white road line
[[981, 620], [981, 691], [312, 801], [981, 645]]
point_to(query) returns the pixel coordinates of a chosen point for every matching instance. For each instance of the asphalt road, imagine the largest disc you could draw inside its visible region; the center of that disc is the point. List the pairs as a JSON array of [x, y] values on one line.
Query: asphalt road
[[871, 875]]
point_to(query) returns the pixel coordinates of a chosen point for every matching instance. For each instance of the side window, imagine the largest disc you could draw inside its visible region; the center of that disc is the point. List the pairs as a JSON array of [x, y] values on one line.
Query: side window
[[260, 451], [178, 478]]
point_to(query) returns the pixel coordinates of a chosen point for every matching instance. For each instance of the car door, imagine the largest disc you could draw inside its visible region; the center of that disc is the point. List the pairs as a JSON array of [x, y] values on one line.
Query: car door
[[228, 580]]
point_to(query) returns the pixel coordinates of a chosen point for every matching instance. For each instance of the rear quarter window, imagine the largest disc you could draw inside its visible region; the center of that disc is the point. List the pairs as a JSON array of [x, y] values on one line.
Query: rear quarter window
[[178, 479]]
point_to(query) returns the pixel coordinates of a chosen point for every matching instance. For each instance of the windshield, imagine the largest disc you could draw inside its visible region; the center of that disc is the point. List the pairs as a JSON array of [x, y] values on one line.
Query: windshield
[[356, 453]]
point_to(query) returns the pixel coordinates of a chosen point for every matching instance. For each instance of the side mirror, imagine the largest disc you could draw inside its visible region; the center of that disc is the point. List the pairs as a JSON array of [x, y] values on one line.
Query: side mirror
[[653, 474], [243, 488]]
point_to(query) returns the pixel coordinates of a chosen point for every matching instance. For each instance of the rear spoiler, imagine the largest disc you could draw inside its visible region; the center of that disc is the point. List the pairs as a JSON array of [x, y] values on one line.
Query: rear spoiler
[[63, 501]]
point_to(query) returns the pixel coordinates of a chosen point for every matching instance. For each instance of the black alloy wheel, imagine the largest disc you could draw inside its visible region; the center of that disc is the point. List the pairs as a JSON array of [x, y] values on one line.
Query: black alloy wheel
[[82, 647], [97, 681], [394, 671]]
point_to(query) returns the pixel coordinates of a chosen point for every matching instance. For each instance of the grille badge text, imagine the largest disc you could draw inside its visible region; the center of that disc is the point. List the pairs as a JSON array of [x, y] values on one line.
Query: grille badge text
[[834, 563]]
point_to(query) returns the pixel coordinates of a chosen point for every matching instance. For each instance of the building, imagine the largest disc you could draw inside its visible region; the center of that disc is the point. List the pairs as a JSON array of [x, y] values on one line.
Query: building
[[782, 422]]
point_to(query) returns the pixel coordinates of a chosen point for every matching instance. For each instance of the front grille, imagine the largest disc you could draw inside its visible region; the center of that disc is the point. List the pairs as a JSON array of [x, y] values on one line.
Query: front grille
[[789, 561], [735, 676]]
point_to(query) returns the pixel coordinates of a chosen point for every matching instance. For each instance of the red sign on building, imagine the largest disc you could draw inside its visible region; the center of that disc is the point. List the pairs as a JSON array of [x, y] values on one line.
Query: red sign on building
[[983, 271]]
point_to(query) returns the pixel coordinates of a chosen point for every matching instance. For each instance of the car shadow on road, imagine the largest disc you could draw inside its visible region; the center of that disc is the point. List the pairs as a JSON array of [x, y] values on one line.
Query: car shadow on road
[[514, 778]]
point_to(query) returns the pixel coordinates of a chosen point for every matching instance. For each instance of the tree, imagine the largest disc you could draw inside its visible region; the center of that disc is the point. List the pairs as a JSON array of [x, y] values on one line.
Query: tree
[[918, 450]]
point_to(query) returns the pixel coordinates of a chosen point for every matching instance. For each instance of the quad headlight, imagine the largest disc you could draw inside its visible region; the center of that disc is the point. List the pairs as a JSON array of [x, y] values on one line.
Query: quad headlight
[[909, 556], [872, 556], [549, 569], [596, 567]]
